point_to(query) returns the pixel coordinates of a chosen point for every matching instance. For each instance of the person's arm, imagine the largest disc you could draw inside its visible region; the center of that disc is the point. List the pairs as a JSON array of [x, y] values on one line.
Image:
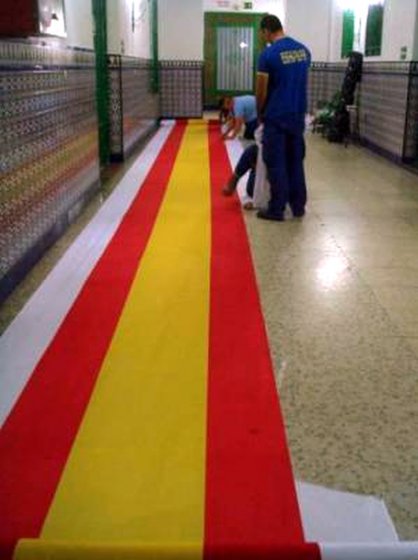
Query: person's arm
[[229, 125], [233, 129], [261, 88]]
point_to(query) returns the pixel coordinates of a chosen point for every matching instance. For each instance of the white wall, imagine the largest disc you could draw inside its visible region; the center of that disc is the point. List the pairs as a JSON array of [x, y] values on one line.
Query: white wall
[[310, 22], [399, 24], [317, 23], [398, 28], [79, 20], [129, 27], [336, 34], [276, 7], [180, 29], [415, 51]]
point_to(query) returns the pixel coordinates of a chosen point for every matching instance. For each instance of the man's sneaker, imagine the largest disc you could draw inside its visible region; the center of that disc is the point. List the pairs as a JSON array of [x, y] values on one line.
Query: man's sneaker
[[268, 215]]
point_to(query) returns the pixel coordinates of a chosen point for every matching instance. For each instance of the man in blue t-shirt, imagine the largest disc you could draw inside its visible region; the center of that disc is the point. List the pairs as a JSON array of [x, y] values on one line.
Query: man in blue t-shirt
[[239, 110], [281, 92]]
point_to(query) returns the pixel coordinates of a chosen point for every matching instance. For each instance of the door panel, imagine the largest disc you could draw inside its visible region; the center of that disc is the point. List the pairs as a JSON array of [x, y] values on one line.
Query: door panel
[[232, 46], [235, 58]]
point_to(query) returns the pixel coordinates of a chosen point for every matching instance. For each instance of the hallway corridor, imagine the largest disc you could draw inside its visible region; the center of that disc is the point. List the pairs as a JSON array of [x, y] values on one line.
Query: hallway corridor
[[339, 294], [143, 412]]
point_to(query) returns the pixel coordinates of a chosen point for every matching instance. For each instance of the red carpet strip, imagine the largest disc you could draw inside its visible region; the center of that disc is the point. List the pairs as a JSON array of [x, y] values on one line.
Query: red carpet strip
[[46, 418], [251, 502]]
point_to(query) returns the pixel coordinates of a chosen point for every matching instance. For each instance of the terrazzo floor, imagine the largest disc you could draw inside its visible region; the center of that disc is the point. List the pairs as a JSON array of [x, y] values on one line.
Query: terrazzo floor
[[339, 291], [340, 297]]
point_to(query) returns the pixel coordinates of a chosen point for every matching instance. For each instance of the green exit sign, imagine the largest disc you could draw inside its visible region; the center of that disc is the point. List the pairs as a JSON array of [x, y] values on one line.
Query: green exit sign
[[248, 5]]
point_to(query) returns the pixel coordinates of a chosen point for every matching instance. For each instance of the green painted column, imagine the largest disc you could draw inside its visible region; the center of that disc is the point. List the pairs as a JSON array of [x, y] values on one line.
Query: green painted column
[[155, 79], [102, 77]]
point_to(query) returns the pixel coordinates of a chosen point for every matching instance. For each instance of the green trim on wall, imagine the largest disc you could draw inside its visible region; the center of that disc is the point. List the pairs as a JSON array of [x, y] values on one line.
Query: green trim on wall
[[374, 30], [155, 85], [348, 33], [102, 77]]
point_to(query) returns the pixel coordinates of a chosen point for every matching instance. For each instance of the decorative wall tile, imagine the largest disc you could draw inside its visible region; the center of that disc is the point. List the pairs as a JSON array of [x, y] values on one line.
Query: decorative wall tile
[[49, 145], [140, 104], [411, 133], [325, 80], [383, 105], [388, 103], [181, 85], [133, 107], [115, 105]]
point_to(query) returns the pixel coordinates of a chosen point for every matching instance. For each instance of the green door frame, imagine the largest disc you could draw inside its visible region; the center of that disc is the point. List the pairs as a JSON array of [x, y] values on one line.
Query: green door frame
[[213, 20], [102, 78]]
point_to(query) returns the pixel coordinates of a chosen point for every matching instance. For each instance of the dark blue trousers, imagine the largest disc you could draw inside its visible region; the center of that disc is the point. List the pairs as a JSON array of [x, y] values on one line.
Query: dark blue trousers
[[247, 162], [283, 154], [249, 130]]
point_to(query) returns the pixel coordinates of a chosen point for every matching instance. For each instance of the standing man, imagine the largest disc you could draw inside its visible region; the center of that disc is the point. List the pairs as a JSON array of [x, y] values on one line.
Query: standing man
[[238, 111], [281, 91]]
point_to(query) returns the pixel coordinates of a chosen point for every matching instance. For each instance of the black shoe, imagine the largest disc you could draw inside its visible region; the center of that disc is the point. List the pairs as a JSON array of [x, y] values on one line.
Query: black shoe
[[268, 215], [298, 213]]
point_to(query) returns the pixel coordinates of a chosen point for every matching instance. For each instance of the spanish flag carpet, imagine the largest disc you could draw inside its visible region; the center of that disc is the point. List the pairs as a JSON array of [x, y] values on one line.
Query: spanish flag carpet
[[150, 427]]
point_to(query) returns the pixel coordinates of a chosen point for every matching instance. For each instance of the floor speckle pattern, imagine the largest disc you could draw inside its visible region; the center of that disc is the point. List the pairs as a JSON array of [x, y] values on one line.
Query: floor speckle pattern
[[339, 291]]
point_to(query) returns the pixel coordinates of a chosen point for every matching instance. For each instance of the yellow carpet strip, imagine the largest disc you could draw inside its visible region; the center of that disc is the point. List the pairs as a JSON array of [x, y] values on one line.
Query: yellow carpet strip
[[140, 477]]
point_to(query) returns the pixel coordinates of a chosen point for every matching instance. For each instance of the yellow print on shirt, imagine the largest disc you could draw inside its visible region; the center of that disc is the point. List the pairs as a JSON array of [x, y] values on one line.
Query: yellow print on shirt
[[290, 57]]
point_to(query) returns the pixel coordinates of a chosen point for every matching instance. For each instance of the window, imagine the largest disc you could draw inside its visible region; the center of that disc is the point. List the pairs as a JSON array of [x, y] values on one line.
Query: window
[[362, 26], [348, 33], [374, 28]]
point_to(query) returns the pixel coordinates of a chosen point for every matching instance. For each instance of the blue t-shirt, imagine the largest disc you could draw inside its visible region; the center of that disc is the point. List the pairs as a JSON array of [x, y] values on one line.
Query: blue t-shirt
[[286, 62], [245, 108]]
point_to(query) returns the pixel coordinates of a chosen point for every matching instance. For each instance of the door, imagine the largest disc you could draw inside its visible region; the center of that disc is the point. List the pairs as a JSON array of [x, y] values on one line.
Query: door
[[232, 46]]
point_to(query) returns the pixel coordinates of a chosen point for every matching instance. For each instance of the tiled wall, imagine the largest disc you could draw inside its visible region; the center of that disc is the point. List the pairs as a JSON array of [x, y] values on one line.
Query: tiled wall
[[181, 84], [325, 79], [134, 108], [383, 106], [114, 64], [48, 129], [48, 149], [411, 135], [387, 98]]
